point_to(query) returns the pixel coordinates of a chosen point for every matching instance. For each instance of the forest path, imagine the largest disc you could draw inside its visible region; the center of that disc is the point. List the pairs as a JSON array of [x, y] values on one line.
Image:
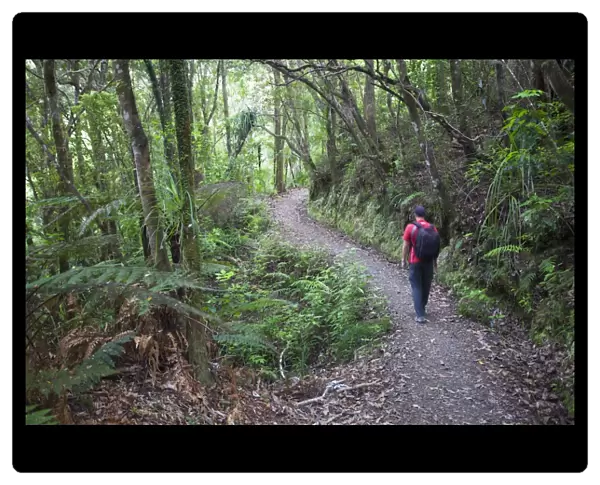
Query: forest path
[[448, 371]]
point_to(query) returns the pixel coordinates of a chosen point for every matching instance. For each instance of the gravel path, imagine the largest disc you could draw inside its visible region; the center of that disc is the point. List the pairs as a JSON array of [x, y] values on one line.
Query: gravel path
[[448, 371]]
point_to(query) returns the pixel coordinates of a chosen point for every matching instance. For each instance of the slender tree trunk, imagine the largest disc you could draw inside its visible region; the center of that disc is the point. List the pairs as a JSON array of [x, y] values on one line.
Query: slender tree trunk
[[64, 163], [461, 111], [190, 71], [226, 107], [186, 159], [141, 155], [500, 81], [168, 130], [208, 109], [143, 231], [278, 140], [158, 89], [197, 337], [331, 123], [538, 75], [373, 146], [442, 87], [559, 83], [369, 104], [162, 112]]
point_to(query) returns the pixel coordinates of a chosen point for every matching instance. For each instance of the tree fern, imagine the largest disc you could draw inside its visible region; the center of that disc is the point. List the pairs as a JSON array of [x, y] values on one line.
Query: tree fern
[[141, 282], [87, 246], [99, 275], [84, 376]]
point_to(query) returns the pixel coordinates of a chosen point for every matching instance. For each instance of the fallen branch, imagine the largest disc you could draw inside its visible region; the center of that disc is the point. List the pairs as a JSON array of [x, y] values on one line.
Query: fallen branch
[[330, 420], [281, 363], [336, 386]]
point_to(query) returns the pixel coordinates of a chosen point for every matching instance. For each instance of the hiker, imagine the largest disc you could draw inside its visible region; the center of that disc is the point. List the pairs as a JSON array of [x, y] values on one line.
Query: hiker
[[421, 238]]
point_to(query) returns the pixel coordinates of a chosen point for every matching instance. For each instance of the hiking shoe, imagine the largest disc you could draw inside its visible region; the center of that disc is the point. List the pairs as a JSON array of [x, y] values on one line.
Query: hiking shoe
[[421, 319]]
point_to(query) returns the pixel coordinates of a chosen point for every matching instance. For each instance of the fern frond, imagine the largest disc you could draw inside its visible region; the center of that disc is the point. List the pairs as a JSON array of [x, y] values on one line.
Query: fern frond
[[410, 198], [547, 265], [87, 246], [102, 211], [526, 280], [102, 274], [211, 268], [262, 304], [84, 376], [312, 285], [501, 250], [245, 339], [278, 274], [41, 416], [53, 201]]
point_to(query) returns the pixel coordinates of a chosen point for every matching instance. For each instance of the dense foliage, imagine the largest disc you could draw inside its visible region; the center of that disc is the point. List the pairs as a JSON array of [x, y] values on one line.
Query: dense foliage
[[145, 230]]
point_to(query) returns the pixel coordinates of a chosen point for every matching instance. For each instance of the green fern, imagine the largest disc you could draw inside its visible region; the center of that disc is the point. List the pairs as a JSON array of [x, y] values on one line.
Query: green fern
[[262, 304], [526, 280], [311, 285], [501, 250], [84, 376], [102, 211], [41, 416], [409, 199], [547, 266], [54, 201], [246, 338], [87, 246], [100, 275]]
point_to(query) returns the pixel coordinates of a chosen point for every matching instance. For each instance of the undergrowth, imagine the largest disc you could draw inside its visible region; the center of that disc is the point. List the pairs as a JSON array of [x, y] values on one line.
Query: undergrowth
[[293, 309], [268, 306]]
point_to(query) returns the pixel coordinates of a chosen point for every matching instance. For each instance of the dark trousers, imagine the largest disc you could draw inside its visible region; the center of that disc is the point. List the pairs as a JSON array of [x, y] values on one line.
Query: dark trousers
[[420, 276]]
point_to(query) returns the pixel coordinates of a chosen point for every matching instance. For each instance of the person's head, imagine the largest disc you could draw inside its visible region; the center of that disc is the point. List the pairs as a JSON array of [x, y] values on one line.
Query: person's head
[[420, 212]]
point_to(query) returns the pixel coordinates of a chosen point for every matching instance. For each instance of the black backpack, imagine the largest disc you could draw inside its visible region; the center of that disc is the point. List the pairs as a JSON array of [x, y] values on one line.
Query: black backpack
[[427, 244]]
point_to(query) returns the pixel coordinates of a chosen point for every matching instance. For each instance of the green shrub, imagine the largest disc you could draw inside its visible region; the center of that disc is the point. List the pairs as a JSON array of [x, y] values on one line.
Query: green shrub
[[299, 307]]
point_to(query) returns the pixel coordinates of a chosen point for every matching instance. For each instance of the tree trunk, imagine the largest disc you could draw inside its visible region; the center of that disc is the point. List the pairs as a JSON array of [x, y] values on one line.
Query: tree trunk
[[186, 160], [500, 81], [331, 122], [461, 111], [196, 333], [278, 140], [169, 142], [442, 87], [64, 163], [169, 149], [428, 153], [141, 155], [190, 70], [226, 107], [538, 75], [559, 83], [369, 104]]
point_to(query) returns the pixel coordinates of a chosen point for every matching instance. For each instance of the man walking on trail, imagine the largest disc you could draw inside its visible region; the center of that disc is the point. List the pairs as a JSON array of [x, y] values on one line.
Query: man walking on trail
[[422, 240]]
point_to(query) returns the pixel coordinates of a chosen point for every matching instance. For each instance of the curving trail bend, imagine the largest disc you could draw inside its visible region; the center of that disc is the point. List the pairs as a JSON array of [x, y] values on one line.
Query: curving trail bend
[[448, 371]]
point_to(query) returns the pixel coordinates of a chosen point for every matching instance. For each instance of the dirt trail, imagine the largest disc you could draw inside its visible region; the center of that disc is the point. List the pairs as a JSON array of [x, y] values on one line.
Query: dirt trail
[[448, 371]]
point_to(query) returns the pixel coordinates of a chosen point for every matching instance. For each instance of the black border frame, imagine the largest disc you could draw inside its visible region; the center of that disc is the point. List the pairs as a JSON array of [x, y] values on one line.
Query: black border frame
[[304, 448]]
